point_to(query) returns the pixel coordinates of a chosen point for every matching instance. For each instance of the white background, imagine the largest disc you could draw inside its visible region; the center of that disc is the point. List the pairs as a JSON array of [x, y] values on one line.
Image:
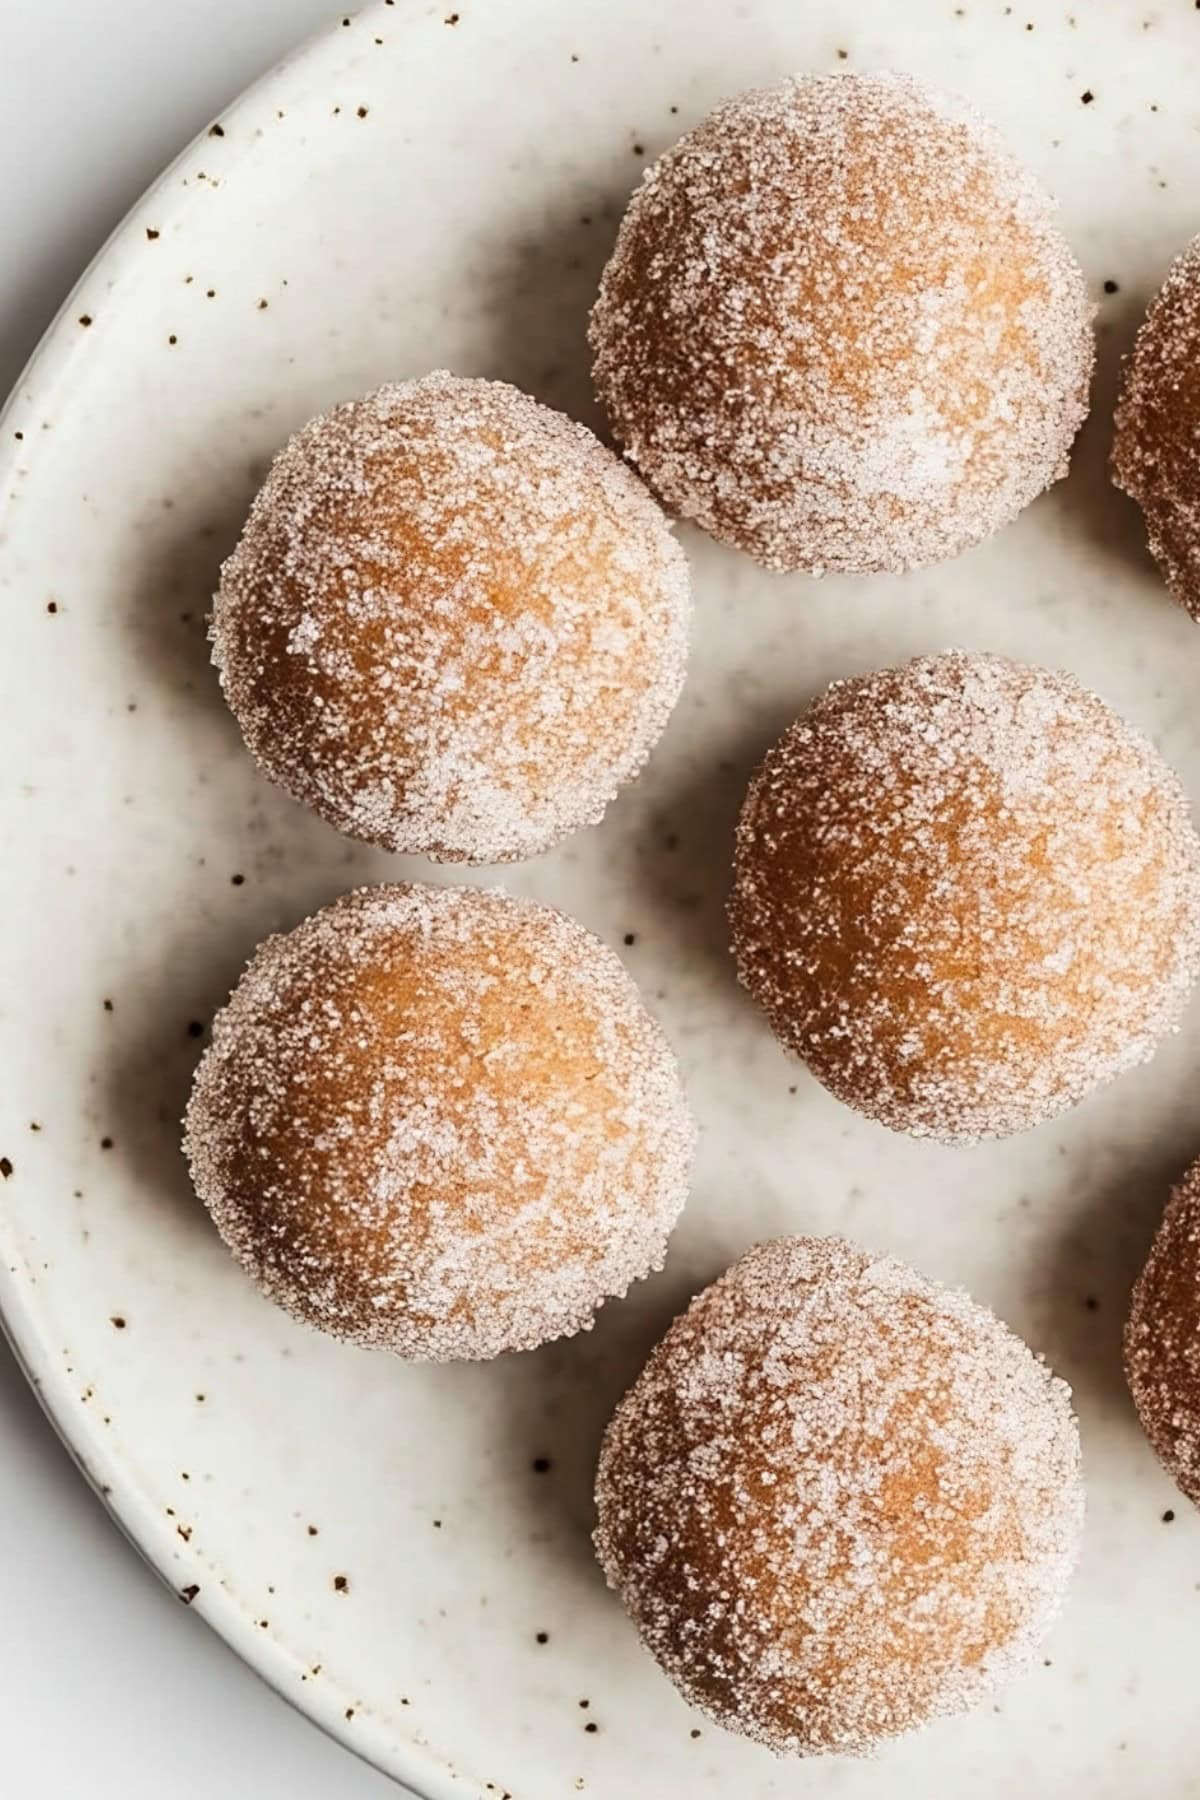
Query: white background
[[108, 1687]]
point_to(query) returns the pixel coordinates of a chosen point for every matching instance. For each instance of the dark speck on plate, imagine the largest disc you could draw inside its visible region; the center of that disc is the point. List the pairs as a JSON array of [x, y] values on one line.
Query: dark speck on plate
[[151, 232], [341, 1585], [362, 112], [1111, 287], [1169, 1516], [216, 131], [117, 1322], [1087, 96], [237, 880], [541, 1465], [188, 1594], [106, 1143], [591, 1725], [85, 319], [52, 606], [6, 1168], [543, 1637]]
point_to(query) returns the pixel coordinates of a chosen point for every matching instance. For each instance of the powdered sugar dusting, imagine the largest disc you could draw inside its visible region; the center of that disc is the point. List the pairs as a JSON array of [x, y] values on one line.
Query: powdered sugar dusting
[[841, 328], [840, 1500], [1162, 1339], [440, 1122], [1156, 449], [455, 623], [966, 894]]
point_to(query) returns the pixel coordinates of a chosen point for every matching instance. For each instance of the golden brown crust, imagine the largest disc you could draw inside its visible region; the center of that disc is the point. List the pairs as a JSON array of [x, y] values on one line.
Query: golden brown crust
[[455, 623], [1162, 1339], [440, 1122], [841, 328], [966, 893], [840, 1500], [1156, 447]]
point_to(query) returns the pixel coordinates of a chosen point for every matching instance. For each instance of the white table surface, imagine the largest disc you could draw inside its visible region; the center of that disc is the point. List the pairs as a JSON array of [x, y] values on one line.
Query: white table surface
[[110, 1688]]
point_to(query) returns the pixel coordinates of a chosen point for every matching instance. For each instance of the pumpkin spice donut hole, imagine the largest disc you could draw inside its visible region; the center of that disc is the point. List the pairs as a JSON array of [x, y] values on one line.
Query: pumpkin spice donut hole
[[966, 893], [840, 1501], [841, 329], [1162, 1339], [1156, 449], [455, 624], [440, 1122]]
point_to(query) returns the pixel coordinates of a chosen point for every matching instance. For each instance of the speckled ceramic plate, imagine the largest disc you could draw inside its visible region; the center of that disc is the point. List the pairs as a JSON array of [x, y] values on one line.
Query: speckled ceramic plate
[[405, 1552]]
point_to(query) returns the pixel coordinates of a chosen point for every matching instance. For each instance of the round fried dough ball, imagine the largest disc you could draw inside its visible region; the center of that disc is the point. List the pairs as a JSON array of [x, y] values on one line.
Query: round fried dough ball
[[840, 1500], [1162, 1339], [966, 893], [455, 623], [841, 329], [439, 1122], [1156, 451]]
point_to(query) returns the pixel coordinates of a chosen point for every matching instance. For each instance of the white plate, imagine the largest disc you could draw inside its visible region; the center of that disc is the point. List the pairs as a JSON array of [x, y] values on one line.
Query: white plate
[[439, 186]]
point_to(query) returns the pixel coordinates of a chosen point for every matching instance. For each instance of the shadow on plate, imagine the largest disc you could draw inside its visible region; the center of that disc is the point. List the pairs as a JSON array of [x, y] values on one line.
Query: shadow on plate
[[1090, 503], [1091, 1263]]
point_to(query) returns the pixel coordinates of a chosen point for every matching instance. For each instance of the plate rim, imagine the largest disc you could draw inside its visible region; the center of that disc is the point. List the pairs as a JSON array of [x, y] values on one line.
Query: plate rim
[[113, 1479]]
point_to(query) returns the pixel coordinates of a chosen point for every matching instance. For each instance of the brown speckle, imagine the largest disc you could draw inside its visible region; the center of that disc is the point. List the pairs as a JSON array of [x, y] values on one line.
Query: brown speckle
[[185, 1532], [585, 1704], [172, 339], [151, 232], [117, 1322], [362, 112], [52, 606], [630, 938], [1087, 96], [85, 319], [1091, 1303], [188, 1594], [541, 1465], [451, 19], [1169, 1516], [639, 149], [349, 1712], [437, 1524], [543, 1637], [20, 436], [1111, 287], [106, 1143], [262, 306], [843, 56], [237, 880], [312, 1531], [341, 1585], [34, 1125], [210, 293], [6, 1168], [591, 1725], [216, 131], [200, 1399], [695, 1732], [195, 1028], [108, 1006]]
